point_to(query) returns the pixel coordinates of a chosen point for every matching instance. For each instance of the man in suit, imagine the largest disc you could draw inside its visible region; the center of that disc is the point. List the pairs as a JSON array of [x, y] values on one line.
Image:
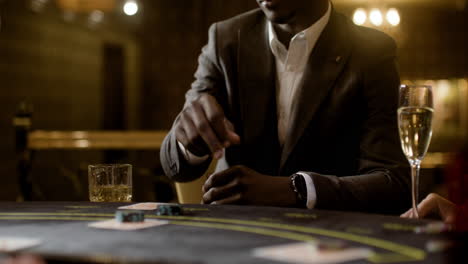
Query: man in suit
[[293, 89]]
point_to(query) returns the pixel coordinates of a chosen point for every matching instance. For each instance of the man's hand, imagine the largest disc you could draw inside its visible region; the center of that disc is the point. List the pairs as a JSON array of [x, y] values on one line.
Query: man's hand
[[24, 259], [435, 204], [241, 185], [203, 129]]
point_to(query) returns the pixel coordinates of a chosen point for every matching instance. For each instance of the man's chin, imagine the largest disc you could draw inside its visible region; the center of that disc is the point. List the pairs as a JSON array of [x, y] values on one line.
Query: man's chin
[[279, 19]]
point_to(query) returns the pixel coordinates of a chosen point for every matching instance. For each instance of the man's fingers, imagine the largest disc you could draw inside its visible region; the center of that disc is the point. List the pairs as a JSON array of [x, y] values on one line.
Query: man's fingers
[[25, 259], [424, 208], [428, 205], [411, 213], [204, 129], [234, 199], [221, 125], [215, 116], [228, 124], [220, 178], [447, 210], [188, 136], [231, 138], [434, 203], [221, 192], [407, 213]]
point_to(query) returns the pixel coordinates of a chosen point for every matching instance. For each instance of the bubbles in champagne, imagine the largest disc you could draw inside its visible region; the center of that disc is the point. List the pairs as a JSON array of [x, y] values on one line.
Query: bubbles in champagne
[[415, 127]]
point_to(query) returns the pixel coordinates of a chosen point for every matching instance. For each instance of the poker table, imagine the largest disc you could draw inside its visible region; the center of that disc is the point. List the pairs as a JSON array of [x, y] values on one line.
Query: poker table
[[214, 234]]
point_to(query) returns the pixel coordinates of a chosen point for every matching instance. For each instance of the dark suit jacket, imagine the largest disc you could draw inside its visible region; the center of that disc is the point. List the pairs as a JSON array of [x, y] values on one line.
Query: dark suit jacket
[[344, 127]]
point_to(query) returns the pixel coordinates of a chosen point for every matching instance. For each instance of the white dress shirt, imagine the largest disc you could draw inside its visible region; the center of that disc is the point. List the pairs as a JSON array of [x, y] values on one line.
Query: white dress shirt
[[290, 66]]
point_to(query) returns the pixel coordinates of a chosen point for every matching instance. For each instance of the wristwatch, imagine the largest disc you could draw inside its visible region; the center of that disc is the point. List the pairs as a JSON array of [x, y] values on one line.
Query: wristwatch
[[299, 187]]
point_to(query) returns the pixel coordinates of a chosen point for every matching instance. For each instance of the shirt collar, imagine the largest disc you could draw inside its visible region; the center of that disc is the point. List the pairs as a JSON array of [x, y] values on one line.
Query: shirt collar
[[311, 34]]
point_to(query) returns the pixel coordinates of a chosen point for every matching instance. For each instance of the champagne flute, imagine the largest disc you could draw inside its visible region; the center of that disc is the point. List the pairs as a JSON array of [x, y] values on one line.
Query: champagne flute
[[415, 126]]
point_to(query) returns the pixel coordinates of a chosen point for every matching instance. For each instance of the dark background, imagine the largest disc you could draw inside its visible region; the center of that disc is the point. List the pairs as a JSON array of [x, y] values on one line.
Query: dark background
[[132, 72]]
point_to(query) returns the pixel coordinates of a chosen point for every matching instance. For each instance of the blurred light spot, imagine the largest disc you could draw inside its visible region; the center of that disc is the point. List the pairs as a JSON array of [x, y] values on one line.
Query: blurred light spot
[[431, 83], [79, 134], [82, 143], [443, 89], [96, 17], [360, 16], [38, 5], [462, 84], [393, 17], [69, 16], [130, 8], [375, 17]]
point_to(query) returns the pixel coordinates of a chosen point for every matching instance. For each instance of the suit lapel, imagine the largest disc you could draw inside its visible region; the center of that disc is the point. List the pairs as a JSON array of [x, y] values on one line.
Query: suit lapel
[[323, 67]]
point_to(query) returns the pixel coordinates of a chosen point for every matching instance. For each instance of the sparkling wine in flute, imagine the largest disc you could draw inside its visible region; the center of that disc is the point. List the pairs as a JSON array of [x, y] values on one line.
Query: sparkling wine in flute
[[415, 129], [415, 126]]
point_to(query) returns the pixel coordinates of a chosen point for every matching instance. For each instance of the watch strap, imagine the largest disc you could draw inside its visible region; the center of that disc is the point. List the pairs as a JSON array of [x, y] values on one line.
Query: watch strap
[[299, 187]]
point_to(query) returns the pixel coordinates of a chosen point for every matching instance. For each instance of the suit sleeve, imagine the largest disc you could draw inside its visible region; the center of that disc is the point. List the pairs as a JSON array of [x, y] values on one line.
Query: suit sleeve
[[382, 183], [208, 79]]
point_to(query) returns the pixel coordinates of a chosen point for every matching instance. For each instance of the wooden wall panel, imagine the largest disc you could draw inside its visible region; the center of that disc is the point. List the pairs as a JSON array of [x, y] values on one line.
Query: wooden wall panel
[[56, 66], [172, 42], [431, 41]]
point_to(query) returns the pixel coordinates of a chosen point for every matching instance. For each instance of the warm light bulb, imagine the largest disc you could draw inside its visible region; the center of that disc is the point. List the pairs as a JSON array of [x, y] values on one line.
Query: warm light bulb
[[375, 17], [360, 16], [393, 17], [130, 8]]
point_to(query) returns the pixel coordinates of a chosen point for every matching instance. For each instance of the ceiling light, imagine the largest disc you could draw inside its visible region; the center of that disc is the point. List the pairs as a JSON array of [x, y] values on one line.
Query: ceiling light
[[375, 17], [360, 16], [393, 17], [130, 8]]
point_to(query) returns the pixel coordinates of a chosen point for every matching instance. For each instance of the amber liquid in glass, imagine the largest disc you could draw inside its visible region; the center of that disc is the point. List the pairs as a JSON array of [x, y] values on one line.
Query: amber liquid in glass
[[110, 193]]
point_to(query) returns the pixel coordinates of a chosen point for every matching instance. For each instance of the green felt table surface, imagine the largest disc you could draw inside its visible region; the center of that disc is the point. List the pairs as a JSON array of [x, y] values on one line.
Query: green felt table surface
[[214, 234]]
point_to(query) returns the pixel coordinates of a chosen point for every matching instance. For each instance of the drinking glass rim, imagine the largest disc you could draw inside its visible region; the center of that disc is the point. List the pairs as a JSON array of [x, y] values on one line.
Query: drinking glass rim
[[415, 86]]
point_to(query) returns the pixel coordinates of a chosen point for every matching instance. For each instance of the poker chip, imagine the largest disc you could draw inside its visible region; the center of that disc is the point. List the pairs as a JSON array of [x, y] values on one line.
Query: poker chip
[[432, 228], [332, 245], [168, 209], [435, 246], [129, 216]]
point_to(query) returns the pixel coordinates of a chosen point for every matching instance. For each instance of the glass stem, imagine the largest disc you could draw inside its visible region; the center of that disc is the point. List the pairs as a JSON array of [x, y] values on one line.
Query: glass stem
[[414, 187]]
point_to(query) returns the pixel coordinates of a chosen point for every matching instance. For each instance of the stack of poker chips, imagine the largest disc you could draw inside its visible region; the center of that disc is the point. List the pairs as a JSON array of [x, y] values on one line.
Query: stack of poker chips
[[129, 216], [168, 209]]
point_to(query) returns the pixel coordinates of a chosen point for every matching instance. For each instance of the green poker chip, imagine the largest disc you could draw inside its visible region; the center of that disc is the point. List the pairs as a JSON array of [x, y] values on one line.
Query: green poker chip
[[168, 209], [129, 216]]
